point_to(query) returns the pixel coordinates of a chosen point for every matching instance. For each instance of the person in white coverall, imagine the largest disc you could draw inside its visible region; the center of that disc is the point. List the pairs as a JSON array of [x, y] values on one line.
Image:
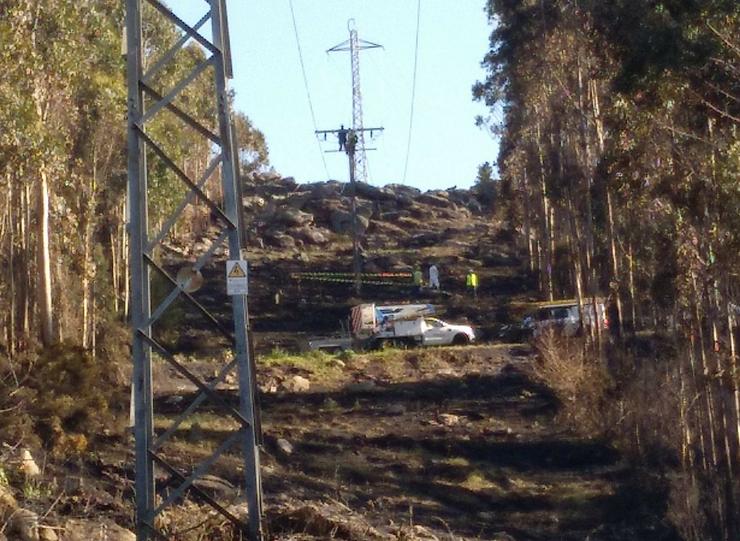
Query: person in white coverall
[[433, 277]]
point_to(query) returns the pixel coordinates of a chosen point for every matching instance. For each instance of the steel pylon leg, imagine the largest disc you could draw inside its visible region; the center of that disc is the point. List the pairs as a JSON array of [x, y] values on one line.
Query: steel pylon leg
[[149, 445]]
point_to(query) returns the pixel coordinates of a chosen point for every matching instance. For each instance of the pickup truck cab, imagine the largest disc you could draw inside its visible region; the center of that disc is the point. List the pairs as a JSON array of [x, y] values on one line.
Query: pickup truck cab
[[435, 332]]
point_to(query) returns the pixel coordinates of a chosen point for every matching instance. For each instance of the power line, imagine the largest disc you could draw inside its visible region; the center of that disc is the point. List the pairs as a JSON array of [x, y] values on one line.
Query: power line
[[305, 84], [413, 90]]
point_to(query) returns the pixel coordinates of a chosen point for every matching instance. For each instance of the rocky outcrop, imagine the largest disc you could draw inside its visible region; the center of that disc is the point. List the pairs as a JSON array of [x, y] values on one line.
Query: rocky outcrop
[[283, 214]]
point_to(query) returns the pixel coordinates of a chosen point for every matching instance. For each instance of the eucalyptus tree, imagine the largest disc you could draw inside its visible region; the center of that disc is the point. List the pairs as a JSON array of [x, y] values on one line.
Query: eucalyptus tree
[[619, 140]]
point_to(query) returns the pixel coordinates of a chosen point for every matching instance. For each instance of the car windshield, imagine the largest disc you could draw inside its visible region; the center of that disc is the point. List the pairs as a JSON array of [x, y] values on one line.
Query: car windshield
[[434, 322]]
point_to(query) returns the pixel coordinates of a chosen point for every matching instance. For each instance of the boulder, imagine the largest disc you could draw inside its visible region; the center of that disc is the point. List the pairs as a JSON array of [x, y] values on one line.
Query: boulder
[[410, 224], [448, 419], [430, 238], [216, 487], [311, 235], [253, 203], [289, 183], [436, 199], [323, 190], [366, 209], [95, 530], [28, 466], [25, 524], [298, 200], [474, 206], [368, 191], [322, 209], [402, 190], [285, 447], [297, 384], [47, 534], [7, 502], [404, 201], [341, 222], [293, 217], [279, 240]]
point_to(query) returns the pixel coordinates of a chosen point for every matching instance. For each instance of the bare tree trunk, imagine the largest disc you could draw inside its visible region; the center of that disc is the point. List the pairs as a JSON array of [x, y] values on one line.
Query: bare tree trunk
[[114, 270], [43, 259], [588, 169], [706, 387], [88, 267], [575, 254], [547, 236], [633, 299], [25, 270], [527, 225], [731, 326], [699, 413], [11, 269]]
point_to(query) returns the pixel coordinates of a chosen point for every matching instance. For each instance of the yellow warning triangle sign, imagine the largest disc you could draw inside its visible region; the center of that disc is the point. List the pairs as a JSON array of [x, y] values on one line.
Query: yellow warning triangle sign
[[237, 271]]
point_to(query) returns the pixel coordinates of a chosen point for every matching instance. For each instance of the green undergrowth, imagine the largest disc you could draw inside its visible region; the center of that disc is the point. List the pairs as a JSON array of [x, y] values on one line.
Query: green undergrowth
[[322, 365], [330, 367]]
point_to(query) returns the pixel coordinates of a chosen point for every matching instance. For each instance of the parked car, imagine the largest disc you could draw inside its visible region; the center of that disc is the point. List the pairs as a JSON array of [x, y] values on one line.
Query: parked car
[[564, 317]]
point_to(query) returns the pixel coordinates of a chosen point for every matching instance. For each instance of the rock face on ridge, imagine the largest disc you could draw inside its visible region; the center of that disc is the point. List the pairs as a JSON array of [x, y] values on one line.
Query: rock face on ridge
[[284, 214]]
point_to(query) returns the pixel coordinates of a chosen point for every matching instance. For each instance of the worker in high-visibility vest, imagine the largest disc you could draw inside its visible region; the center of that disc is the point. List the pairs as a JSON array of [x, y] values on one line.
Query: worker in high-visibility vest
[[471, 283], [418, 279]]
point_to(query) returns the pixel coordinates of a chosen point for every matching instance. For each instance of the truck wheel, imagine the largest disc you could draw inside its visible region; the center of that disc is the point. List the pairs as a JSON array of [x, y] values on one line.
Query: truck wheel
[[460, 340]]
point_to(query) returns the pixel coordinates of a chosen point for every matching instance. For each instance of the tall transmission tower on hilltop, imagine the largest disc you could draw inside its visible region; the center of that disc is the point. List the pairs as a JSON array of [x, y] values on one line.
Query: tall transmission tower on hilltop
[[354, 45]]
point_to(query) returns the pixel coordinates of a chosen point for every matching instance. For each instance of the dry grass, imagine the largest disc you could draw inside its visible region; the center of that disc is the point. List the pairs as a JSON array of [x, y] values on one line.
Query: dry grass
[[578, 378]]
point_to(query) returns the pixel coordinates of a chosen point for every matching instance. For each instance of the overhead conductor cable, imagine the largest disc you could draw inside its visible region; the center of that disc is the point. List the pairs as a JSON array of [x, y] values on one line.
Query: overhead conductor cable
[[413, 90], [305, 84]]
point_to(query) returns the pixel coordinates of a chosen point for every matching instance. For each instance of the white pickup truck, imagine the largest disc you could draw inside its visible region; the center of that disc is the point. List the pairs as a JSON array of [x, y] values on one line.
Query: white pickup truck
[[372, 326]]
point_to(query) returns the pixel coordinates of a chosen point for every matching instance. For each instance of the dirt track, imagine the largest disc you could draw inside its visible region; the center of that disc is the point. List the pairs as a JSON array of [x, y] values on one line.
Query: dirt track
[[455, 443]]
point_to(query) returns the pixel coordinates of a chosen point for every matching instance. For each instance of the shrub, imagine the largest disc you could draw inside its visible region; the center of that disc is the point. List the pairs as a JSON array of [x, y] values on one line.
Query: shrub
[[580, 381], [61, 399]]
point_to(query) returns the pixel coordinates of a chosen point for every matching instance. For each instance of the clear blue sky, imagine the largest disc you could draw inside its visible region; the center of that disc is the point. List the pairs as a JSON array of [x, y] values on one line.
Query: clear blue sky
[[446, 146]]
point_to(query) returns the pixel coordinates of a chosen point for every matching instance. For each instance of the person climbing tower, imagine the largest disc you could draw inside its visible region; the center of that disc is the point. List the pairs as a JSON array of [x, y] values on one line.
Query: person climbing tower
[[342, 136]]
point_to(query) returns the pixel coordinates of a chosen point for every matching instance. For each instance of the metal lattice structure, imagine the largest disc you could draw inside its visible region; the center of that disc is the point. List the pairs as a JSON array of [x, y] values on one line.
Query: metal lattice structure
[[354, 45], [161, 482]]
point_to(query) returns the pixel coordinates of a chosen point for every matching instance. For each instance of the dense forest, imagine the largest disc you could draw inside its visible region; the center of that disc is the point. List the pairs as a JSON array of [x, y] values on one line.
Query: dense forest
[[63, 165], [63, 209], [620, 162]]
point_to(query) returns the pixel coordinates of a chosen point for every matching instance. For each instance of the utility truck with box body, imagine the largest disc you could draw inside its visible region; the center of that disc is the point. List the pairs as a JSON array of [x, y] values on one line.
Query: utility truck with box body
[[372, 326]]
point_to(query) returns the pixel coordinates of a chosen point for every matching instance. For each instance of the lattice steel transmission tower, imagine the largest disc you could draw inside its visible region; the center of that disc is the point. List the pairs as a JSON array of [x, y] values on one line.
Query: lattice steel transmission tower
[[354, 45], [168, 472]]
